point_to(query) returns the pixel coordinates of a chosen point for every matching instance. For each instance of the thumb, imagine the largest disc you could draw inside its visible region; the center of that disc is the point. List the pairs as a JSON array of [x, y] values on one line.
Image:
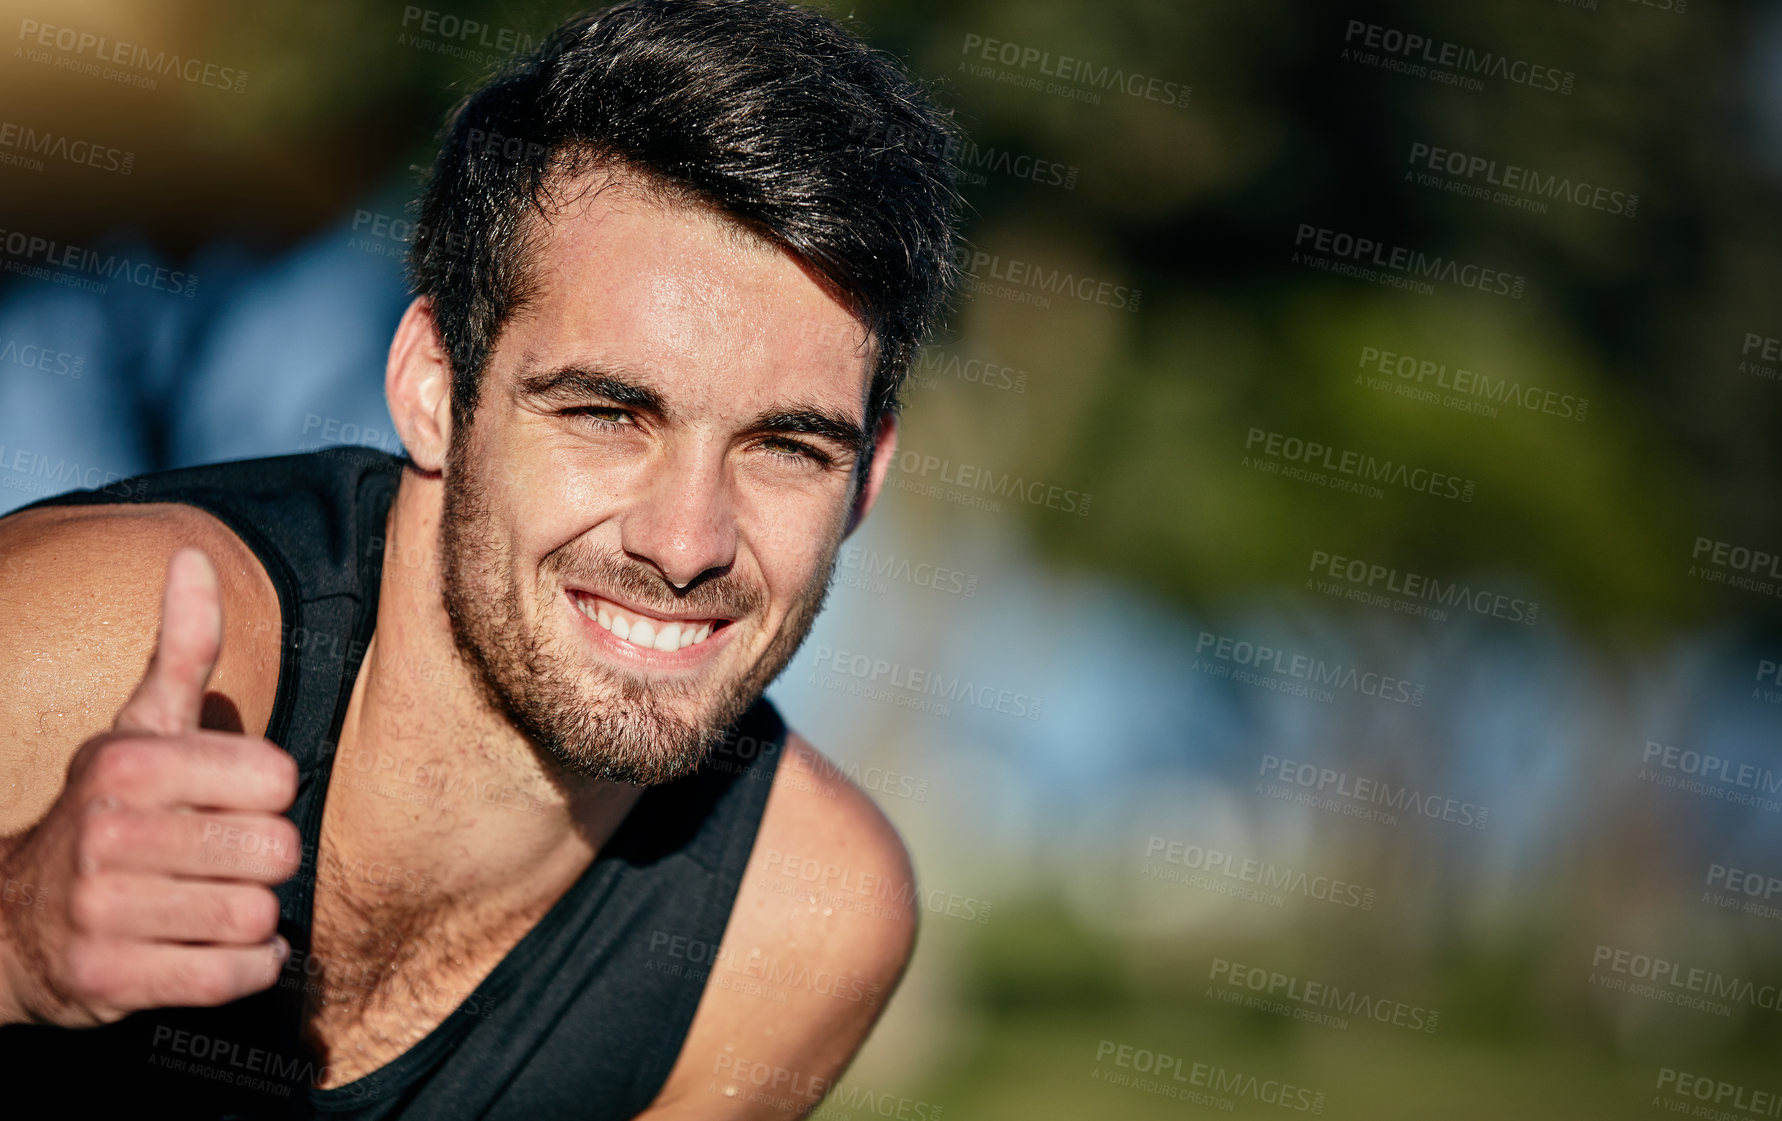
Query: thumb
[[168, 700]]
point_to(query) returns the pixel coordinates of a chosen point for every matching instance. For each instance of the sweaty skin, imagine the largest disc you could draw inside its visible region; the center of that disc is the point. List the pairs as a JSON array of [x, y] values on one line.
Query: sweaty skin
[[691, 490]]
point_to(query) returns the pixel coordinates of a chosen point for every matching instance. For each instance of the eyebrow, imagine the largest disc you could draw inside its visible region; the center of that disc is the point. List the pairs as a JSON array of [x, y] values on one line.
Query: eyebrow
[[571, 383], [578, 382], [813, 420]]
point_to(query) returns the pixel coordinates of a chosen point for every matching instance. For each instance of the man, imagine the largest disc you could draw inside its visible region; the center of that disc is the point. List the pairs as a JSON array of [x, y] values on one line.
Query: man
[[449, 789]]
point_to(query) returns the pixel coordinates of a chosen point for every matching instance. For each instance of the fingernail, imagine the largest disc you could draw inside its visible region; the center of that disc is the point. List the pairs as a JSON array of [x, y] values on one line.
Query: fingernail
[[281, 949]]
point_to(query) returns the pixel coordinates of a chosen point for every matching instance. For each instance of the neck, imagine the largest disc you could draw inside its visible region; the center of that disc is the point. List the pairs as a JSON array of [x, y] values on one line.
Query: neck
[[428, 779]]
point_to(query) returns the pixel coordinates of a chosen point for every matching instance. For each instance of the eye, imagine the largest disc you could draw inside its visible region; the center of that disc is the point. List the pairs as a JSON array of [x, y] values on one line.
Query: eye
[[781, 448], [601, 416]]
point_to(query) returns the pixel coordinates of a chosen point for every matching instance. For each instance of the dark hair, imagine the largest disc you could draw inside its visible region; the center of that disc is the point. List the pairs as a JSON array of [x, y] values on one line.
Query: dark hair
[[754, 107]]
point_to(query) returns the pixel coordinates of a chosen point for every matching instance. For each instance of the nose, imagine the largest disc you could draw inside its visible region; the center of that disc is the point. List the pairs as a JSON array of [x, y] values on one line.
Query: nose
[[683, 521]]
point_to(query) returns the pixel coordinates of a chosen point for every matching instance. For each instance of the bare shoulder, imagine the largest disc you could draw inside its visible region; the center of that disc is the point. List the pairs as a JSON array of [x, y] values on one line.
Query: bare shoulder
[[816, 814], [80, 603], [824, 923]]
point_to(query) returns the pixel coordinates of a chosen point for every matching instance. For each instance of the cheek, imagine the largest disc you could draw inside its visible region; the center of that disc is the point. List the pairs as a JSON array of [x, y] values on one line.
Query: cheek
[[793, 552], [557, 494], [584, 480]]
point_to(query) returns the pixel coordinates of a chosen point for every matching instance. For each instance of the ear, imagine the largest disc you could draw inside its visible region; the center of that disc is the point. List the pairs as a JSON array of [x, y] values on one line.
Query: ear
[[884, 450], [418, 387]]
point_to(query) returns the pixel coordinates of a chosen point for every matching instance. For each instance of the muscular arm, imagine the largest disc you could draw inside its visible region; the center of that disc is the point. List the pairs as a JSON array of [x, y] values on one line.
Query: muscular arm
[[80, 598], [108, 780], [823, 926]]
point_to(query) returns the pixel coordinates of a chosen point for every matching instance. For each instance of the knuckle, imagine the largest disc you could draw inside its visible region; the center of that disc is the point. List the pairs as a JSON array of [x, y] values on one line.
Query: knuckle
[[122, 764], [274, 766], [286, 845], [217, 915], [209, 985], [176, 983], [286, 776], [253, 913], [90, 973], [98, 839], [92, 904], [239, 914]]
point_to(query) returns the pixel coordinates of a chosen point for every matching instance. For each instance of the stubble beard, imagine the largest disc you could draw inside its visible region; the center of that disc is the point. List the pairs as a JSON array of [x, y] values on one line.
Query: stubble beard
[[588, 719]]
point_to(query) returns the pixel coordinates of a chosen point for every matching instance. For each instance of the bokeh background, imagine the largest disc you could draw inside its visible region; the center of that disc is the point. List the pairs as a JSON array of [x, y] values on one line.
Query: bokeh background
[[1334, 542]]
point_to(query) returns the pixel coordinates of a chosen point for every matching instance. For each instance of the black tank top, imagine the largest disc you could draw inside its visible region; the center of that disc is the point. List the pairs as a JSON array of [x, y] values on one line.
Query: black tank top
[[583, 1018]]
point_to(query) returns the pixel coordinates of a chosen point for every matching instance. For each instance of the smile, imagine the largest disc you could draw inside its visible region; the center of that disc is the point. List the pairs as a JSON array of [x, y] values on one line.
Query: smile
[[645, 631]]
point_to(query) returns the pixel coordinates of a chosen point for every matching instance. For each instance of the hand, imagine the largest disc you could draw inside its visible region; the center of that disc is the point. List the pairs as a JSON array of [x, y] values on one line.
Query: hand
[[153, 865]]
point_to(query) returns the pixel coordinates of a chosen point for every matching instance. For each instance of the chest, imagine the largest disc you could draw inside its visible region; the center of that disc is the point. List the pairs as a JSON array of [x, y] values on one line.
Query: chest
[[386, 967]]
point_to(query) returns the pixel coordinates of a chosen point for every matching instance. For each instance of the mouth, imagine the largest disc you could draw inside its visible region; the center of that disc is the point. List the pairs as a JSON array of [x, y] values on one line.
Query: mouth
[[642, 630]]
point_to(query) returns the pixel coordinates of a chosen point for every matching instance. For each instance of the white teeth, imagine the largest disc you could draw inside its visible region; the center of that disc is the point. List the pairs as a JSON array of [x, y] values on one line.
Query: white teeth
[[643, 632]]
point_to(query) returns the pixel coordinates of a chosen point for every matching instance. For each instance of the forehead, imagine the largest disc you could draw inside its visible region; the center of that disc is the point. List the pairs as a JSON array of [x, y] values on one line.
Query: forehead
[[713, 312]]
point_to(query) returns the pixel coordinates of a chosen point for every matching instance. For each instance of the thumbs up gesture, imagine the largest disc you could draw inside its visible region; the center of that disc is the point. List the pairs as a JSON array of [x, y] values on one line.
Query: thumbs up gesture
[[155, 861]]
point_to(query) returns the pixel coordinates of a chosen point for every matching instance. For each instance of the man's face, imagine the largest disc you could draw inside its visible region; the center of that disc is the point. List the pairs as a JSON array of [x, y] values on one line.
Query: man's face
[[640, 523]]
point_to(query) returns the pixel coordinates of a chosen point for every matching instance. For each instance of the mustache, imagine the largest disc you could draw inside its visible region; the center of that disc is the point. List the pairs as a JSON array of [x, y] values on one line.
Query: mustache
[[723, 595]]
